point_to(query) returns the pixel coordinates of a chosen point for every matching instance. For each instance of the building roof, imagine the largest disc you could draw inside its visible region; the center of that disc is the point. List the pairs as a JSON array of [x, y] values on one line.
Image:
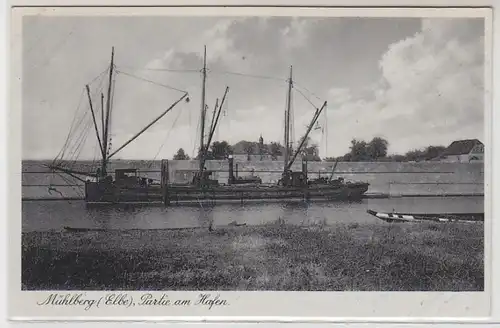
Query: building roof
[[460, 147]]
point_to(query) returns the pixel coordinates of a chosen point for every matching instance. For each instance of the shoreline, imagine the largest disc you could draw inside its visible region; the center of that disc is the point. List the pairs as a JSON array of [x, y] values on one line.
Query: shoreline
[[367, 196], [273, 256]]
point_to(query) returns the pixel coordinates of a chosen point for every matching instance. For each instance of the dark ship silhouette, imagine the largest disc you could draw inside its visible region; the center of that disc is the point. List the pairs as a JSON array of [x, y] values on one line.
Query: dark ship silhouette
[[127, 186]]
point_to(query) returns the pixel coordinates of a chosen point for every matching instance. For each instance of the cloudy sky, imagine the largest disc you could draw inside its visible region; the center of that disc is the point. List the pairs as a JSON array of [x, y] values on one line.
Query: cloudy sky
[[415, 82]]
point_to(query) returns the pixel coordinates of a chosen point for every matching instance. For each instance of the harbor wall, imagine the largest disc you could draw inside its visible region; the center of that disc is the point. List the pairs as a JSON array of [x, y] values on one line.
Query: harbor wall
[[393, 178]]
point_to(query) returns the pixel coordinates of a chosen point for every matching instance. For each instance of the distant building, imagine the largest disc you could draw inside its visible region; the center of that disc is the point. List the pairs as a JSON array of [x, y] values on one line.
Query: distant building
[[259, 152], [463, 151]]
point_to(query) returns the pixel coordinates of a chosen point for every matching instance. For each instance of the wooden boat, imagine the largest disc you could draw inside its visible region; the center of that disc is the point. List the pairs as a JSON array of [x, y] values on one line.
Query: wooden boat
[[428, 217]]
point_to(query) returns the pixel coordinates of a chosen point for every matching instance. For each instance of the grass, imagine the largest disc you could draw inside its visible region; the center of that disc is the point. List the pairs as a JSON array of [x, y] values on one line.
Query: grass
[[275, 256]]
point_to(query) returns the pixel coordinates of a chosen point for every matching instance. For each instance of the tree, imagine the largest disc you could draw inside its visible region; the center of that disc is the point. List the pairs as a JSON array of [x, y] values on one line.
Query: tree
[[181, 155], [311, 153], [346, 158], [432, 152], [414, 155], [359, 152], [220, 150], [248, 148], [377, 148], [397, 158], [275, 149], [425, 154], [198, 154]]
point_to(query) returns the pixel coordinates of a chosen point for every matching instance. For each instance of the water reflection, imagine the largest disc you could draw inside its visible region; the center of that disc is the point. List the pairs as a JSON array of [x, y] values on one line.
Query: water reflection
[[47, 215]]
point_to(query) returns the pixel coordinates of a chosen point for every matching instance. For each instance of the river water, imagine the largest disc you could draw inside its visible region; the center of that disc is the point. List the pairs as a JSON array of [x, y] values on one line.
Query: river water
[[50, 215]]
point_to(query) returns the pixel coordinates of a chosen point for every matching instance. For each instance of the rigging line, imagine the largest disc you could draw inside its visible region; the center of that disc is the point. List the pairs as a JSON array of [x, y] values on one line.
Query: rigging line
[[70, 146], [250, 75], [78, 151], [79, 103], [100, 86], [326, 131], [189, 122], [82, 145], [303, 95], [83, 138], [307, 90], [92, 165], [99, 76], [152, 82], [149, 125], [71, 126], [72, 184], [65, 179], [79, 123], [80, 130], [168, 134], [195, 140], [292, 122], [110, 123], [160, 69], [96, 94]]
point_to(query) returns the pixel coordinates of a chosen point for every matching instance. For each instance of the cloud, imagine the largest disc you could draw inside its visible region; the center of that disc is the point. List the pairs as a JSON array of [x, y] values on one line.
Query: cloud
[[296, 34], [220, 46], [393, 77], [431, 90]]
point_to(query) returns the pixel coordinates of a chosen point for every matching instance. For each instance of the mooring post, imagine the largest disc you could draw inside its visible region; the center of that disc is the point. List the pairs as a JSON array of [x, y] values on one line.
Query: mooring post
[[165, 174]]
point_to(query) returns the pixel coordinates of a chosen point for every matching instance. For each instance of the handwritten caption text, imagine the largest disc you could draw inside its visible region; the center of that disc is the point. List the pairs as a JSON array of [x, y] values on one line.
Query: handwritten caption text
[[127, 300]]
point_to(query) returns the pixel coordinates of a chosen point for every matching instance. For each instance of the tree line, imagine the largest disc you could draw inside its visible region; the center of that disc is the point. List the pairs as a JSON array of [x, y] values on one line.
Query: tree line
[[222, 149], [375, 150]]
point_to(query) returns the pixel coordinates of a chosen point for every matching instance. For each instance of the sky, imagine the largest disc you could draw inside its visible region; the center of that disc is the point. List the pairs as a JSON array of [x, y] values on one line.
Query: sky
[[415, 82]]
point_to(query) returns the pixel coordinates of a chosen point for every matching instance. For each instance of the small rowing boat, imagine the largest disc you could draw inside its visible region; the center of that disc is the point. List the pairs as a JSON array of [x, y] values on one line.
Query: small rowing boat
[[435, 217]]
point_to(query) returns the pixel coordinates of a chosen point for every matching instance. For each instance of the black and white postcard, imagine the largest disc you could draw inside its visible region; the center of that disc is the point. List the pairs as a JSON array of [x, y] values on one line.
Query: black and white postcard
[[180, 162]]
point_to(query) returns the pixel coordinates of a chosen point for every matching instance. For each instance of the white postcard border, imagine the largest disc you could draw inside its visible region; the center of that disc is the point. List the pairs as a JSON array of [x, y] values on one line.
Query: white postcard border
[[252, 306]]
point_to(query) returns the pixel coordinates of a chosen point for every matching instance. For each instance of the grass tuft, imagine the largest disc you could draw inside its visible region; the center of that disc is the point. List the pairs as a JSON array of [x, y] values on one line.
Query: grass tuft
[[274, 256]]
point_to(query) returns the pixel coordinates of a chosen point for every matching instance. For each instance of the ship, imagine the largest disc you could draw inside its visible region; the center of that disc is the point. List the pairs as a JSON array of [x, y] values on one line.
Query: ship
[[127, 186], [124, 185], [292, 186]]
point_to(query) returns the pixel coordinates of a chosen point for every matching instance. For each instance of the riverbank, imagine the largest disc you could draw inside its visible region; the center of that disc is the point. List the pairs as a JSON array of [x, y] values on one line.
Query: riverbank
[[274, 256]]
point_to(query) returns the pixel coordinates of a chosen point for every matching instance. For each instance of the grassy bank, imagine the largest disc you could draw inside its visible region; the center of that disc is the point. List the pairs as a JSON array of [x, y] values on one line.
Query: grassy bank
[[367, 257]]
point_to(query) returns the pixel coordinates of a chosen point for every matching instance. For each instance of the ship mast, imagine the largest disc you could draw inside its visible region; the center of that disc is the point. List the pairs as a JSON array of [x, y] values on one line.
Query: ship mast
[[287, 120], [306, 135], [104, 140], [203, 111], [106, 122], [215, 121]]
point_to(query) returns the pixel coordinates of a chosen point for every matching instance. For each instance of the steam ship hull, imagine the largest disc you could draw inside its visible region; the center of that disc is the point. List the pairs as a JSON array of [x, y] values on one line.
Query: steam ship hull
[[97, 193], [186, 194], [103, 193]]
